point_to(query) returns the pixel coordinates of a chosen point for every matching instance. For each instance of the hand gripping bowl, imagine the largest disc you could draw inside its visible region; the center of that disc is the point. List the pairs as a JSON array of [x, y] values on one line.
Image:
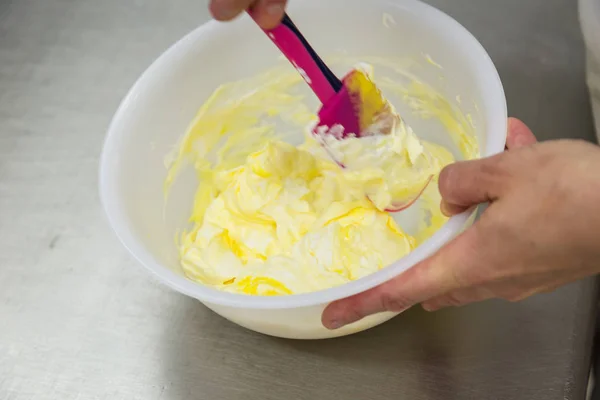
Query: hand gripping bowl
[[159, 107]]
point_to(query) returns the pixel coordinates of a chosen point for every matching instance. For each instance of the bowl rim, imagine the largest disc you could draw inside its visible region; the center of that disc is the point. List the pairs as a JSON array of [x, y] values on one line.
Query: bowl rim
[[496, 116]]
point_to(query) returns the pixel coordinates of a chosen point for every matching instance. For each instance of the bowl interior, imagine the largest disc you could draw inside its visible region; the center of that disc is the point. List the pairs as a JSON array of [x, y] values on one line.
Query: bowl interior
[[156, 113]]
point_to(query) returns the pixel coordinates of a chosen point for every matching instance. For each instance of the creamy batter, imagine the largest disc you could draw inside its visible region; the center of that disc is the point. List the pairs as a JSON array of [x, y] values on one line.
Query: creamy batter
[[272, 218]]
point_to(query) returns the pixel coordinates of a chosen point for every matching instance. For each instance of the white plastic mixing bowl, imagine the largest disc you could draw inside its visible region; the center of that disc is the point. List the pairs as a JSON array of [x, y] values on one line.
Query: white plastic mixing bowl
[[164, 100]]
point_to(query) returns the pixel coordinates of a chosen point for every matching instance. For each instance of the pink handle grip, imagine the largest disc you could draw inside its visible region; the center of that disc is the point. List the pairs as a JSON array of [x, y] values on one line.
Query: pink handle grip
[[297, 53]]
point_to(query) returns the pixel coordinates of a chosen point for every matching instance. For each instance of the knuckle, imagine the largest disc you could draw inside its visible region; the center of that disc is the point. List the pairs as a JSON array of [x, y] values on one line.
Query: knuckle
[[430, 305], [453, 299], [354, 314], [492, 173], [394, 302], [467, 271]]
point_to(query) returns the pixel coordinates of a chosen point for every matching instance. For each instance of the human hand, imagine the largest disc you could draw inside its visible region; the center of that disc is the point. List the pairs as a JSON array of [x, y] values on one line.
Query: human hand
[[540, 231], [267, 13]]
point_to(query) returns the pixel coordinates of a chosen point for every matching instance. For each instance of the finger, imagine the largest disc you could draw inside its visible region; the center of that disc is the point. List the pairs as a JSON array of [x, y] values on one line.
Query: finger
[[226, 10], [434, 276], [458, 298], [519, 134], [268, 13], [468, 183]]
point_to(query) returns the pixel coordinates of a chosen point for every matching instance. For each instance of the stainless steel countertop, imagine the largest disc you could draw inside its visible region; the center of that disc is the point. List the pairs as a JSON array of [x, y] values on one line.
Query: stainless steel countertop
[[81, 320]]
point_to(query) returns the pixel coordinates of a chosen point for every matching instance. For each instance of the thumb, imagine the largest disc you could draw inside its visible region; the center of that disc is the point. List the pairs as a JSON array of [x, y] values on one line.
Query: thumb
[[437, 275], [468, 183], [458, 185]]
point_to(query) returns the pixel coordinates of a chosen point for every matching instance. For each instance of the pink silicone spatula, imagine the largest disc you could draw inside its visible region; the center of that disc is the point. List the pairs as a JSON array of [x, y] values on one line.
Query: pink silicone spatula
[[338, 107], [351, 104]]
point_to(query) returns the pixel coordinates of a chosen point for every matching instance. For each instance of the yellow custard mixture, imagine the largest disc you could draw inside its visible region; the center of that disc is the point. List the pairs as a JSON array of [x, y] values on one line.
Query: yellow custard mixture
[[272, 218]]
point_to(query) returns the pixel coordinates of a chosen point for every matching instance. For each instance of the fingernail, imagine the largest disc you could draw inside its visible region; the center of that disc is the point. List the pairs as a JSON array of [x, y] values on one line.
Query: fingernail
[[335, 324], [444, 209], [275, 9]]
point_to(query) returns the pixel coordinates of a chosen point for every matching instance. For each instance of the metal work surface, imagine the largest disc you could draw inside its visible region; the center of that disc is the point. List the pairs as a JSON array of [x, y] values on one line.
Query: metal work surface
[[81, 320]]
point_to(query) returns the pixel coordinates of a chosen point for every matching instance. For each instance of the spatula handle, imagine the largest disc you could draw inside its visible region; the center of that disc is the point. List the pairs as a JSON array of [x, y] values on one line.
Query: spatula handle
[[299, 52]]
